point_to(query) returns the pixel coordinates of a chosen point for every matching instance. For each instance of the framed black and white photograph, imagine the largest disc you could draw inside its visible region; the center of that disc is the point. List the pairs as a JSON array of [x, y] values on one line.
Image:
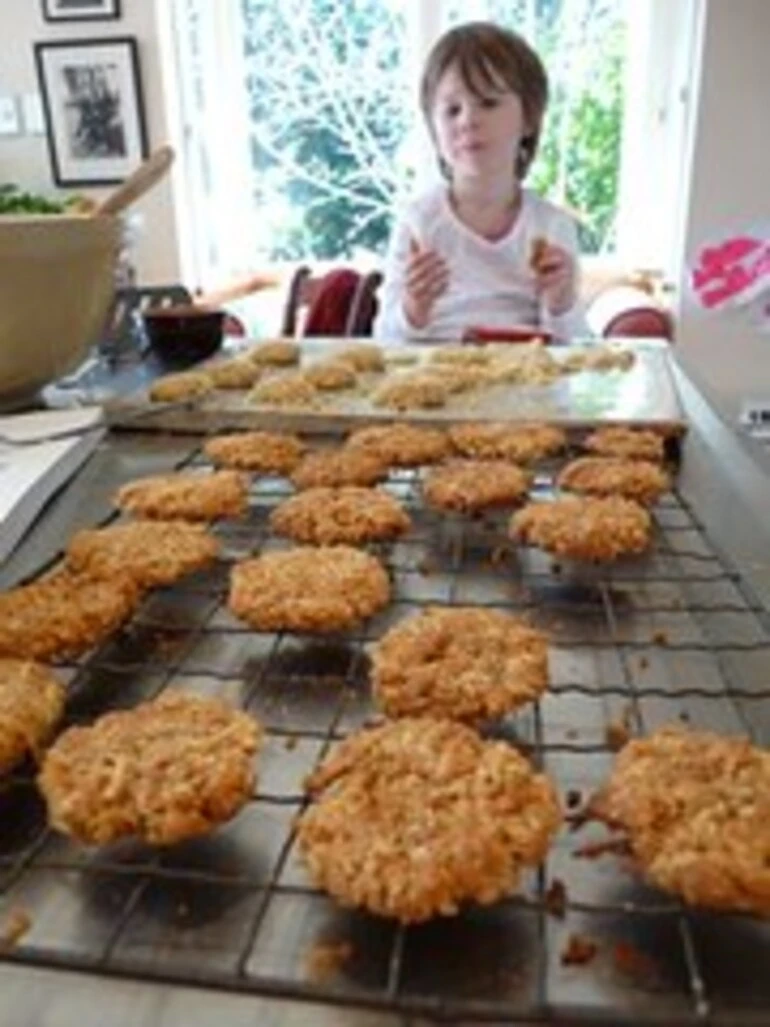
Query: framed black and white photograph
[[94, 113], [81, 10]]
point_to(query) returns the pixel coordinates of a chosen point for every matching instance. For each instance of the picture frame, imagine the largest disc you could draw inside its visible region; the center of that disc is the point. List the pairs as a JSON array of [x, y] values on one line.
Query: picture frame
[[80, 10], [93, 106]]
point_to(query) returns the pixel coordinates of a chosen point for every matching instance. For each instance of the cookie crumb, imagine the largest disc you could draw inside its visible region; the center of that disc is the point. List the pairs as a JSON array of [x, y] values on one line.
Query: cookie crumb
[[631, 960], [573, 798], [290, 742], [660, 638], [325, 959], [14, 927], [579, 950], [556, 898]]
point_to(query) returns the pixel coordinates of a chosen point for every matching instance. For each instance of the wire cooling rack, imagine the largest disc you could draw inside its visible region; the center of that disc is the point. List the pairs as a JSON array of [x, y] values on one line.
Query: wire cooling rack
[[674, 636]]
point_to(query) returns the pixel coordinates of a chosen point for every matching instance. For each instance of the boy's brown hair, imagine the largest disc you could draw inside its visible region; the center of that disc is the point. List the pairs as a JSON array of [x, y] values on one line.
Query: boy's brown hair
[[487, 55]]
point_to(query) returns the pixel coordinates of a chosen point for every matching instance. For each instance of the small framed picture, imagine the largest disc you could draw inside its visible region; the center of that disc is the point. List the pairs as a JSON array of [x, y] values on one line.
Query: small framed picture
[[81, 10], [94, 113]]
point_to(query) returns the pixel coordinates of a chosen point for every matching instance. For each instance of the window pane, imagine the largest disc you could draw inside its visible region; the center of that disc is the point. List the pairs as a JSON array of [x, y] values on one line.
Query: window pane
[[330, 106]]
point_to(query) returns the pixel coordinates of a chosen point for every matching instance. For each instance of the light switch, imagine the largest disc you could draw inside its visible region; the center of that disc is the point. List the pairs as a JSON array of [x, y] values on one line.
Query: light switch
[[32, 107], [10, 123]]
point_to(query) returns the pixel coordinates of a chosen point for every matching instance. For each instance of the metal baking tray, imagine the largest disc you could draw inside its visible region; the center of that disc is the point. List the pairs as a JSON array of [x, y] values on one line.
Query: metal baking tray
[[644, 394], [678, 636]]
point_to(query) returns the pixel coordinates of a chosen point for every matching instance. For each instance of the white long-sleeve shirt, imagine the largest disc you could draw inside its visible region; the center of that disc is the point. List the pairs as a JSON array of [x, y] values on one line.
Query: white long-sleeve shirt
[[490, 282]]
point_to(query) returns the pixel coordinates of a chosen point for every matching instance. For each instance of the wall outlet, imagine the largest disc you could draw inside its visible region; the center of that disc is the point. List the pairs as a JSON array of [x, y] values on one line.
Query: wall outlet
[[755, 417]]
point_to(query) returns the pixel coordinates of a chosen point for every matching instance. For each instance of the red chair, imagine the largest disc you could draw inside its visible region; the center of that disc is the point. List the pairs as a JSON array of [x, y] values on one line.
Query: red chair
[[342, 302]]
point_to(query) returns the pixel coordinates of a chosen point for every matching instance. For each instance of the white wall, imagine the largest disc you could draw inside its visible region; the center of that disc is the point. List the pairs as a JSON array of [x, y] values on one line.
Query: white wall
[[729, 188], [24, 159]]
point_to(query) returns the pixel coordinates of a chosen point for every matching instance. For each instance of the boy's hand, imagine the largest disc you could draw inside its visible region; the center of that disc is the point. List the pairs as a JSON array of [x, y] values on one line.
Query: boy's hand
[[555, 275], [427, 276]]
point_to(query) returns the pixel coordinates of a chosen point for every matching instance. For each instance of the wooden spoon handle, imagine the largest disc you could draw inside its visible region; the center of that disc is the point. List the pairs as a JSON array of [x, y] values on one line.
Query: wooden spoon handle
[[138, 182]]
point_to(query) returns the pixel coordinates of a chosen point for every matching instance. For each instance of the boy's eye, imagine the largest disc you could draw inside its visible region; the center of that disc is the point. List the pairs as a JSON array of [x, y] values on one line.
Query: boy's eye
[[453, 109]]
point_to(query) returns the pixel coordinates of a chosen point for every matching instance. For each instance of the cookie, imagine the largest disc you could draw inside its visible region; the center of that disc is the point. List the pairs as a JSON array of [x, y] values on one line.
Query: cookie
[[151, 553], [641, 480], [363, 357], [330, 375], [350, 514], [172, 388], [463, 663], [520, 443], [626, 443], [329, 588], [411, 390], [696, 809], [469, 486], [168, 770], [275, 353], [31, 704], [240, 373], [418, 816], [63, 614], [585, 527], [401, 445], [289, 390], [187, 497], [336, 467], [260, 451]]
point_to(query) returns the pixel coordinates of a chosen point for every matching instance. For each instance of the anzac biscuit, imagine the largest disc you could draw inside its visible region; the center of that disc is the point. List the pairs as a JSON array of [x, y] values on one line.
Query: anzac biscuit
[[596, 529], [336, 467], [364, 357], [241, 373], [412, 390], [463, 663], [172, 388], [330, 375], [469, 486], [31, 704], [521, 443], [628, 443], [538, 252], [330, 588], [419, 816], [275, 353], [186, 497], [401, 445], [350, 514], [609, 476], [599, 358], [696, 809], [463, 355], [151, 553], [63, 614], [261, 451], [168, 770], [290, 390]]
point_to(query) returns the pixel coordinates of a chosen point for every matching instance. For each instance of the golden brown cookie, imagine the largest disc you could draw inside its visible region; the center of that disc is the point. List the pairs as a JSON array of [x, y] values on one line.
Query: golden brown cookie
[[462, 355], [63, 614], [609, 476], [240, 373], [469, 486], [463, 663], [151, 553], [172, 388], [411, 390], [336, 467], [329, 588], [627, 443], [330, 375], [596, 529], [261, 451], [521, 443], [186, 497], [350, 514], [401, 445], [275, 353], [419, 816], [538, 252], [696, 808], [168, 770], [289, 390], [599, 358], [31, 704], [363, 357]]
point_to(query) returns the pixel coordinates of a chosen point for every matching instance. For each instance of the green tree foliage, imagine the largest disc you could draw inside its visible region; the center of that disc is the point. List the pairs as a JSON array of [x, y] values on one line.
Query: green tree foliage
[[332, 105]]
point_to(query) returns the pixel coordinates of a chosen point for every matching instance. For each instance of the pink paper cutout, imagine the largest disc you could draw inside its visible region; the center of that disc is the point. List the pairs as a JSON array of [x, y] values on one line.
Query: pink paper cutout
[[735, 270]]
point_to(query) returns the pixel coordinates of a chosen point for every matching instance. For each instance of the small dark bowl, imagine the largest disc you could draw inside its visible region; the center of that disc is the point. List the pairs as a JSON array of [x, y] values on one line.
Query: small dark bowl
[[184, 335]]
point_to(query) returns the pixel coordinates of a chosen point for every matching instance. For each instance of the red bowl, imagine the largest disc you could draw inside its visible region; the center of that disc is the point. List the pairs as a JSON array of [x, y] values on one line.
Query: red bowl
[[516, 333]]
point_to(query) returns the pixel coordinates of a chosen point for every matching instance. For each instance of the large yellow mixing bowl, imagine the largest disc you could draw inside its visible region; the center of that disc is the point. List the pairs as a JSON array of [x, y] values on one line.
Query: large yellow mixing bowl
[[57, 276]]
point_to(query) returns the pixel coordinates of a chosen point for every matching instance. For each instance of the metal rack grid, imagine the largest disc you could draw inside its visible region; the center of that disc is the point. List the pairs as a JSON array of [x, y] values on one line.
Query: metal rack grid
[[674, 636]]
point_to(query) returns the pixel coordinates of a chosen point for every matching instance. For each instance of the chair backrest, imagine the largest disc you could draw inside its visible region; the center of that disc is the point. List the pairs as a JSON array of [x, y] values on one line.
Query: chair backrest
[[341, 302]]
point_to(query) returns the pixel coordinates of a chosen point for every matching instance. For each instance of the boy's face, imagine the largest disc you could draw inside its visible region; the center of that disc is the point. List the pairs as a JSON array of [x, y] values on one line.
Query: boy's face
[[479, 131]]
